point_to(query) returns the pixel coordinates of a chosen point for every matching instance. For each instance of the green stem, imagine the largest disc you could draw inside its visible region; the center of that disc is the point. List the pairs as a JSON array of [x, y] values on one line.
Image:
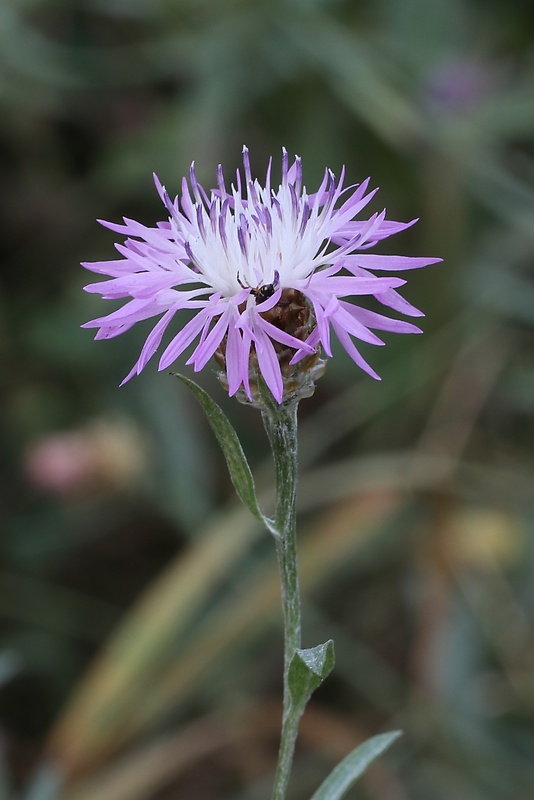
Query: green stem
[[281, 425]]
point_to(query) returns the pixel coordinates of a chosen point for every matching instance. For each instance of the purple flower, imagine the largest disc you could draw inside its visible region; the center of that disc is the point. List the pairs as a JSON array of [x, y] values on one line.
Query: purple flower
[[265, 271]]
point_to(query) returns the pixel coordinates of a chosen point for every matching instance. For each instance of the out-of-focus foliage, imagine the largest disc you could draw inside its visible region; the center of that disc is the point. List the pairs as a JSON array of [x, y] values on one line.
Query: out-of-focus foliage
[[140, 648]]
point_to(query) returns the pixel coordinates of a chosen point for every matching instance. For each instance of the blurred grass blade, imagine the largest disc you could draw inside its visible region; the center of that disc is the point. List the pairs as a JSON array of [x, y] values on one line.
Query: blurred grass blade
[[227, 628], [353, 766], [141, 772], [354, 74], [231, 446], [144, 643], [146, 670], [47, 784]]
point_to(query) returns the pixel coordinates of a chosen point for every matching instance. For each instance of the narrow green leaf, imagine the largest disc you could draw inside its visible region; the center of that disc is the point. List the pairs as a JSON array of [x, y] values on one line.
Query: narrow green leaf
[[231, 446], [308, 669], [349, 770]]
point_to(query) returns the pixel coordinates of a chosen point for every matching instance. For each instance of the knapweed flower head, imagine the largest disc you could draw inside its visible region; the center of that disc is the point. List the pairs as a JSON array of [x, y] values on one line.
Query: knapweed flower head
[[267, 275]]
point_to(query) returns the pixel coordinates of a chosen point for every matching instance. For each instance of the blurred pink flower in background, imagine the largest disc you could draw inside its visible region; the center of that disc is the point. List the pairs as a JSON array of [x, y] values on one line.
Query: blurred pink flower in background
[[101, 456]]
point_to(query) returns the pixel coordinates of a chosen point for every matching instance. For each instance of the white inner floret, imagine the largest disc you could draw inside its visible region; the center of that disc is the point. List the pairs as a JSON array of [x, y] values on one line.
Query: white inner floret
[[249, 245]]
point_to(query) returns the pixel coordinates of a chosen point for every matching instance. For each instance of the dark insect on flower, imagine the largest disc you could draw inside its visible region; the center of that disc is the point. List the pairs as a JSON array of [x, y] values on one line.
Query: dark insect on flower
[[261, 293]]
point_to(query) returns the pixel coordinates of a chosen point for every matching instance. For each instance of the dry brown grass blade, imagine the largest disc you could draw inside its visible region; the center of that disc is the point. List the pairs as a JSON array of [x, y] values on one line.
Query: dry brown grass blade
[[333, 539], [131, 685], [336, 537], [119, 676]]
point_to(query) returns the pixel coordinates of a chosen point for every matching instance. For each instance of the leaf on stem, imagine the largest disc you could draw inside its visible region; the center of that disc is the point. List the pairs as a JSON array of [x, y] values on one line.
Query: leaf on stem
[[349, 770], [238, 467], [308, 669]]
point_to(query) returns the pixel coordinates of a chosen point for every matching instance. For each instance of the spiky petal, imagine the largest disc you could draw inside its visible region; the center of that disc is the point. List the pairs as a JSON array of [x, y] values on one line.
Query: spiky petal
[[238, 257]]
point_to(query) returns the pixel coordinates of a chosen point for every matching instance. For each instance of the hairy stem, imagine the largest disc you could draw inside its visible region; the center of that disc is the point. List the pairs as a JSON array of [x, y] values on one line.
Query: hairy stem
[[281, 425]]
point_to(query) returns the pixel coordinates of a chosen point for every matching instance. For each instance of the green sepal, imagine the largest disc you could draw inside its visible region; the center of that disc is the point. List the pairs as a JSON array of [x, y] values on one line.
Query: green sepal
[[349, 770], [307, 670], [238, 467]]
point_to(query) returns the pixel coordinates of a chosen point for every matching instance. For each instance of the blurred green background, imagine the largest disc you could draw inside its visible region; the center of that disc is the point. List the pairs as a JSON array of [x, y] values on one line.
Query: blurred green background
[[140, 646]]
